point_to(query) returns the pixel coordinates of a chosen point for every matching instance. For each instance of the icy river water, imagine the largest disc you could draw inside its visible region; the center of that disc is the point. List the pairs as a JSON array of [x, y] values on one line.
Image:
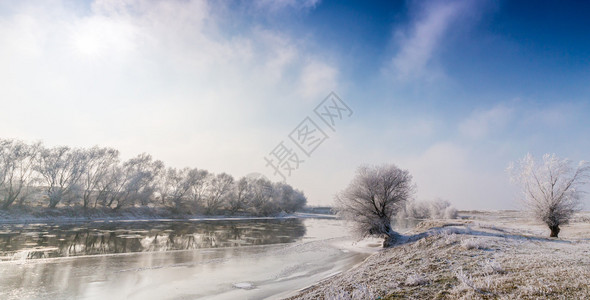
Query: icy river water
[[212, 259]]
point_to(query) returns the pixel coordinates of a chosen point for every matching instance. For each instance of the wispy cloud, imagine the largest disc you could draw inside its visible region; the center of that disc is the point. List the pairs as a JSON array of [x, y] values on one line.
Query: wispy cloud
[[520, 116], [418, 43], [276, 5]]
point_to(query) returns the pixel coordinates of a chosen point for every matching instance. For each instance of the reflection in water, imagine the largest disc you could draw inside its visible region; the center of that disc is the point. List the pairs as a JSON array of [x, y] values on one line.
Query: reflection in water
[[45, 240]]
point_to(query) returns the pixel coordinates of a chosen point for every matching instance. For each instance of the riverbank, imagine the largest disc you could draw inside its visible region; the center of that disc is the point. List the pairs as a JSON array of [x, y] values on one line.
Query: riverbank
[[489, 255], [67, 215]]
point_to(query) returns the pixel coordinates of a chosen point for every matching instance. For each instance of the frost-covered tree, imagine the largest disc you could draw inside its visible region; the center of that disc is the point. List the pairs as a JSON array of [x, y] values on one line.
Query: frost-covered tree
[[173, 186], [140, 173], [287, 198], [133, 182], [98, 162], [17, 161], [373, 197], [108, 186], [262, 197], [220, 188], [200, 182], [61, 169], [551, 188], [241, 195]]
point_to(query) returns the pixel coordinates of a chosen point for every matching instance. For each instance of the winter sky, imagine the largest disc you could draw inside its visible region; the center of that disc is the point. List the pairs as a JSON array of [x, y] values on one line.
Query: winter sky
[[451, 90]]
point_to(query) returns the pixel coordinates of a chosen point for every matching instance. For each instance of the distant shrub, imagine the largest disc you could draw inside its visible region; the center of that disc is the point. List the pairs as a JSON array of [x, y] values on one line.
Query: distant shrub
[[437, 209]]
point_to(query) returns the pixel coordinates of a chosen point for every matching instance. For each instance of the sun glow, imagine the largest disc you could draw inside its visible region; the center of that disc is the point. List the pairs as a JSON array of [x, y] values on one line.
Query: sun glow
[[98, 37], [88, 45]]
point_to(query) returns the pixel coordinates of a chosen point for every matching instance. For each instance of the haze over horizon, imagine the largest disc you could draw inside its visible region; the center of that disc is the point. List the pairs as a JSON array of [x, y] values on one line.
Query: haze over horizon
[[450, 90]]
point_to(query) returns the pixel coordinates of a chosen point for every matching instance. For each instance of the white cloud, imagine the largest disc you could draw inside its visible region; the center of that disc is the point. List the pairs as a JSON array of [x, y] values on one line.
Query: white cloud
[[316, 78], [419, 43], [155, 76]]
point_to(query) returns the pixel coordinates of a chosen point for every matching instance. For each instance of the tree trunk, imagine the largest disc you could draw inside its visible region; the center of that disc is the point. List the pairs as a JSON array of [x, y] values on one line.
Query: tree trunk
[[390, 236], [86, 200], [554, 230], [53, 202], [5, 205], [9, 200], [388, 241]]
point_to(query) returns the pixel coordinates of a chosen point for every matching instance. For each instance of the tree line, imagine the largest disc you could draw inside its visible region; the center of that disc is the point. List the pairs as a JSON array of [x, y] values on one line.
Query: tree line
[[33, 174]]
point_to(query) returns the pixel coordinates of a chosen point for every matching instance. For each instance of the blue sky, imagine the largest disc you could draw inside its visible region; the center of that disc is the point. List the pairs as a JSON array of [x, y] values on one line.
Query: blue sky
[[451, 90]]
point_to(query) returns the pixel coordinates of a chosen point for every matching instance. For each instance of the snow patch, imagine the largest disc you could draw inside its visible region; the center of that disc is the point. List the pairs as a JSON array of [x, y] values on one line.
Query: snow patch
[[244, 285]]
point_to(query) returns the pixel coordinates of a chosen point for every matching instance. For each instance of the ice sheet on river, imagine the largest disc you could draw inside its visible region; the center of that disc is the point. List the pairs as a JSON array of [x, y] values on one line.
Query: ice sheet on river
[[255, 272]]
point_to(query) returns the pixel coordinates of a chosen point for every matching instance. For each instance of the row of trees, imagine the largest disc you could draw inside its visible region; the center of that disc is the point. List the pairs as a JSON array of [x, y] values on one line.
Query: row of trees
[[96, 177]]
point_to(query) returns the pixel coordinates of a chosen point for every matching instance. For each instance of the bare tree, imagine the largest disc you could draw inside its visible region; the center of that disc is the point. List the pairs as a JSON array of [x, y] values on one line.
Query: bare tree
[[241, 196], [288, 199], [297, 201], [175, 187], [108, 186], [166, 184], [221, 186], [200, 182], [551, 188], [135, 182], [262, 197], [372, 199], [61, 169], [98, 162], [17, 160]]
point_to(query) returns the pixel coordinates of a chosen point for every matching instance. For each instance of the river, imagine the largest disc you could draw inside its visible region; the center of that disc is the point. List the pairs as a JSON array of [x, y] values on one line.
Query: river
[[215, 259]]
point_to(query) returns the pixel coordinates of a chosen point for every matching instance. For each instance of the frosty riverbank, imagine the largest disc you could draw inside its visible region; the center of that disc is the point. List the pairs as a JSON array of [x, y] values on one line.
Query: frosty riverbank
[[487, 256]]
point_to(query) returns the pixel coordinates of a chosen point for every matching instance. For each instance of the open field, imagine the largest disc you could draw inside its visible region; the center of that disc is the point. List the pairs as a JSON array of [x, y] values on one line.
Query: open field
[[485, 255]]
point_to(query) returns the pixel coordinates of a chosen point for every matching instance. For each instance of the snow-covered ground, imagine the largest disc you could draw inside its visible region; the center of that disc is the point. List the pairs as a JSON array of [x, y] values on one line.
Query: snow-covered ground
[[486, 255]]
